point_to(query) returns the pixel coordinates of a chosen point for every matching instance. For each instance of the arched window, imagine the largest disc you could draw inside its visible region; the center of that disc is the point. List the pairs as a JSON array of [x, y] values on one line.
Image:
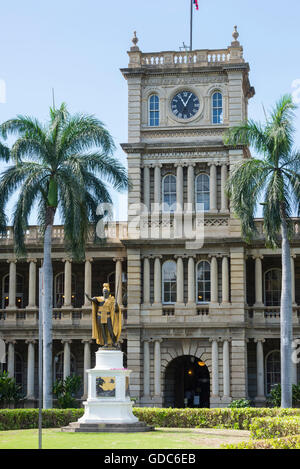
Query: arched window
[[169, 193], [202, 191], [169, 282], [203, 282], [217, 108], [272, 370], [59, 290], [58, 368], [273, 287], [19, 291], [153, 110]]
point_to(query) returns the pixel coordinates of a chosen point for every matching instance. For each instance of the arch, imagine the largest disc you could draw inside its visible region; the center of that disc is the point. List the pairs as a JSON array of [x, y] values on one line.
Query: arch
[[187, 382], [19, 290], [169, 282], [169, 193], [58, 366], [272, 370], [59, 289], [217, 107], [272, 287], [203, 282], [153, 110], [191, 348], [202, 191]]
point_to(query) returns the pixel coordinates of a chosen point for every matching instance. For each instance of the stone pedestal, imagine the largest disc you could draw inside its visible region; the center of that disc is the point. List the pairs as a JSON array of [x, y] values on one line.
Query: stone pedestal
[[108, 407]]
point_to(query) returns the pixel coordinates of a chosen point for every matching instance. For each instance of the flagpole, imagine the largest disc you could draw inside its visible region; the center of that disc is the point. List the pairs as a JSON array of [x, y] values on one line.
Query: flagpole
[[191, 26]]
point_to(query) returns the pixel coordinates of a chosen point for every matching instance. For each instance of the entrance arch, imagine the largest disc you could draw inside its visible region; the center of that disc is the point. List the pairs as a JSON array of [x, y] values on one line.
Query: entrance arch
[[187, 383]]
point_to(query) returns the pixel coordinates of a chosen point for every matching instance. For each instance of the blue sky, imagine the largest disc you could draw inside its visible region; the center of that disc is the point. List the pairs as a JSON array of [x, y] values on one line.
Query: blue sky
[[77, 47]]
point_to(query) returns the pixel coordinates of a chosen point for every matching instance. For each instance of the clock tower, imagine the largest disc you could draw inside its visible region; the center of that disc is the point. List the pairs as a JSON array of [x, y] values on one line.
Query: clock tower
[[182, 300]]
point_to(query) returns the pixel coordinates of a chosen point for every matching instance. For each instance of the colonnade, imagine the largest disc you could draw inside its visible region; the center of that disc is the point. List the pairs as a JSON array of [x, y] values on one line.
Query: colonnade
[[190, 182], [191, 272]]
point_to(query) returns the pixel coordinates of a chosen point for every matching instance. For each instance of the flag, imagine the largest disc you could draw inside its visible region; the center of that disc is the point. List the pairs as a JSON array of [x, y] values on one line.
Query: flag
[[196, 4]]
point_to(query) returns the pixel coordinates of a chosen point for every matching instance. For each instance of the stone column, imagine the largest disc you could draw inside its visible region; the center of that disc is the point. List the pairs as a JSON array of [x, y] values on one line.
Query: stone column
[[11, 358], [191, 280], [157, 279], [214, 279], [258, 281], [68, 284], [213, 187], [146, 367], [191, 187], [157, 367], [86, 365], [147, 187], [30, 368], [87, 281], [215, 367], [225, 280], [32, 284], [224, 198], [226, 369], [146, 284], [12, 284], [179, 280], [179, 188], [260, 370], [67, 357], [157, 185], [118, 283]]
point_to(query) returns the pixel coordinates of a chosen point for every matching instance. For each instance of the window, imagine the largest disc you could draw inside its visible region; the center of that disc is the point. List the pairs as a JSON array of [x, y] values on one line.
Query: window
[[58, 369], [273, 287], [217, 108], [272, 370], [59, 290], [19, 291], [153, 110], [169, 193], [169, 282], [202, 191], [203, 282]]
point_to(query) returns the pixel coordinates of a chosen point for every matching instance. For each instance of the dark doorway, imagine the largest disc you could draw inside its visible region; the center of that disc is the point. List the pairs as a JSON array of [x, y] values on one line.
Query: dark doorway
[[187, 383]]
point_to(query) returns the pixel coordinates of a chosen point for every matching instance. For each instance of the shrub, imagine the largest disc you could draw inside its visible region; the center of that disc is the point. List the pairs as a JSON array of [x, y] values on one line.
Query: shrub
[[66, 390], [289, 442], [240, 403], [263, 428], [275, 395], [11, 419], [10, 392]]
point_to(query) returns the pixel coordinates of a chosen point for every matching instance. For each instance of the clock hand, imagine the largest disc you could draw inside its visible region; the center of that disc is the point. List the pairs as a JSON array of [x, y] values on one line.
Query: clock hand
[[188, 99]]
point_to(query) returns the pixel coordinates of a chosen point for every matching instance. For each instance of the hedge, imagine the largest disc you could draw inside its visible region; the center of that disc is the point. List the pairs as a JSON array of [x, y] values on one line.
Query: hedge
[[264, 428], [14, 419], [289, 442]]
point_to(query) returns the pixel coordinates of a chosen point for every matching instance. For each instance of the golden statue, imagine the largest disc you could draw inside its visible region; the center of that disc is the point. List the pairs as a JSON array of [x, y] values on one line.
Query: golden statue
[[106, 318]]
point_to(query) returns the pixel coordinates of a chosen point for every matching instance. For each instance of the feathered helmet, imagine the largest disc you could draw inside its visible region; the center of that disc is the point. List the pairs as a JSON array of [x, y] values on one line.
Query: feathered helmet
[[106, 286]]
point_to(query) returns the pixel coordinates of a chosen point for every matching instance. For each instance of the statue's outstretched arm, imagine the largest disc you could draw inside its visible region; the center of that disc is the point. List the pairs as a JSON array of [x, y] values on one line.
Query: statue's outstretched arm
[[93, 300]]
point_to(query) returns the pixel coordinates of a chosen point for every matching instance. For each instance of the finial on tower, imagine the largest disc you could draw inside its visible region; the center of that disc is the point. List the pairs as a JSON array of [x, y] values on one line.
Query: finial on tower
[[135, 40], [235, 36]]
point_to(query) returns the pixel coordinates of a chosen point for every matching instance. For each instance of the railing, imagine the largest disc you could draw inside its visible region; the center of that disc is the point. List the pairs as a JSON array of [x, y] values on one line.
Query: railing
[[259, 222], [269, 312], [168, 310], [198, 57], [202, 310], [112, 230]]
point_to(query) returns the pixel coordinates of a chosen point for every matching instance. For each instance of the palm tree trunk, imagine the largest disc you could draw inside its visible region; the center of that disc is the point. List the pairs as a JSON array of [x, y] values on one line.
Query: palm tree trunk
[[47, 314], [286, 318]]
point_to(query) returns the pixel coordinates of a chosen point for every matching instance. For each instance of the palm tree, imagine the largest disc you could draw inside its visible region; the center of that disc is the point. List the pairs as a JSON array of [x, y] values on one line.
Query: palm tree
[[62, 167], [275, 179]]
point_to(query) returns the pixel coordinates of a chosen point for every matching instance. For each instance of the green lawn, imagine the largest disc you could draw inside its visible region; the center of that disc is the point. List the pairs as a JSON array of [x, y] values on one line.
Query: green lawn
[[177, 438]]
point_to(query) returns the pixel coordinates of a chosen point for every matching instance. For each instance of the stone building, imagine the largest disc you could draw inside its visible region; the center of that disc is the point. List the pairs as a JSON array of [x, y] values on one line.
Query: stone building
[[201, 313]]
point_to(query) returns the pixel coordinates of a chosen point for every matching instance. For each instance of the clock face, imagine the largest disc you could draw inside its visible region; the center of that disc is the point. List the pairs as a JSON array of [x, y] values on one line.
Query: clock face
[[185, 105]]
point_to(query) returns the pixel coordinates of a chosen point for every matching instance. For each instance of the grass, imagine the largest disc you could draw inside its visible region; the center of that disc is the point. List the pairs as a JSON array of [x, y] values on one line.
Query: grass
[[177, 438]]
